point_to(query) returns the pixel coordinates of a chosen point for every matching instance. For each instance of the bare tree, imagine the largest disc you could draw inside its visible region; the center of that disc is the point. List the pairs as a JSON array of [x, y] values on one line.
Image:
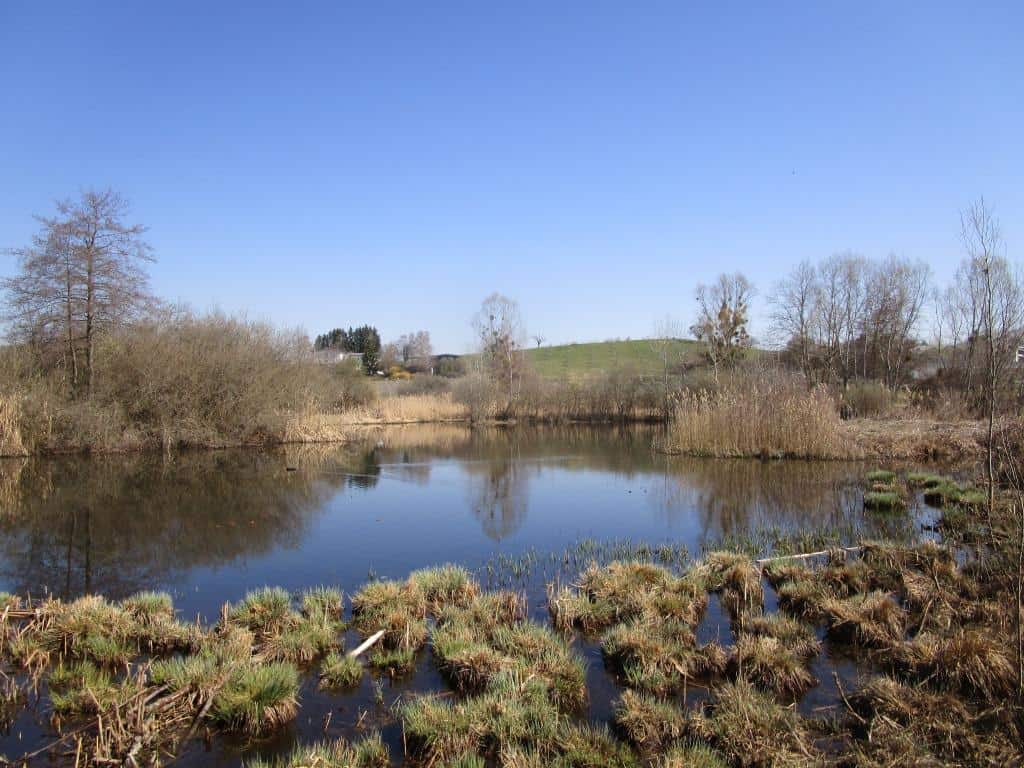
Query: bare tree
[[499, 328], [82, 276], [665, 343], [722, 317], [1001, 312], [538, 340], [795, 306]]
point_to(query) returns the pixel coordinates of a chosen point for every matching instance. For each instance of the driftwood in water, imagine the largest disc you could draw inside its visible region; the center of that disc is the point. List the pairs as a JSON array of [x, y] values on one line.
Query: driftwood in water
[[366, 645], [805, 555]]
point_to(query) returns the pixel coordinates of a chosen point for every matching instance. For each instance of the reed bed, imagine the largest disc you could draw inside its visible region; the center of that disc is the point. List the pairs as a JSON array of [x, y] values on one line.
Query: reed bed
[[750, 416]]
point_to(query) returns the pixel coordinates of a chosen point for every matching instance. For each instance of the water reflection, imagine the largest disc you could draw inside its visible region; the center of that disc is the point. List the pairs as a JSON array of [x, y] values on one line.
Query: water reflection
[[394, 499]]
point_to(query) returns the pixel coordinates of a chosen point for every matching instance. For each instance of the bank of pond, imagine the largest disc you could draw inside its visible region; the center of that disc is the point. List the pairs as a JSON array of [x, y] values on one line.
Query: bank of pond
[[880, 653]]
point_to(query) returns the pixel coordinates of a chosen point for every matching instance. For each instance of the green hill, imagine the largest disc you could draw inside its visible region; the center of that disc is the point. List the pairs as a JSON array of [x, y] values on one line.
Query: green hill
[[638, 356]]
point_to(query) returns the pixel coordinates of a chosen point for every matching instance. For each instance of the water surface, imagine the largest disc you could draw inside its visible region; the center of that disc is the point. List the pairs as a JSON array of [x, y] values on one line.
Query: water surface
[[508, 503]]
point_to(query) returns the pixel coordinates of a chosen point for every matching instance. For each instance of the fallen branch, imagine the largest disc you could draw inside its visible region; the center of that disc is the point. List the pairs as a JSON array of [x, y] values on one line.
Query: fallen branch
[[366, 645], [806, 555]]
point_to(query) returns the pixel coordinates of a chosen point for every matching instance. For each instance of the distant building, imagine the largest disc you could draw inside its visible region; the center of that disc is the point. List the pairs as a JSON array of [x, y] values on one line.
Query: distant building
[[336, 356]]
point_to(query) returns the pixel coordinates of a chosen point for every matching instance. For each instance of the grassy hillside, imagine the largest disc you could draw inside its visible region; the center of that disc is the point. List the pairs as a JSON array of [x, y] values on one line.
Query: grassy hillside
[[582, 360]]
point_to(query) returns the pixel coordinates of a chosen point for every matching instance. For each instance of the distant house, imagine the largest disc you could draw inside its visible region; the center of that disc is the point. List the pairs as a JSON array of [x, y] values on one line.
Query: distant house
[[336, 356]]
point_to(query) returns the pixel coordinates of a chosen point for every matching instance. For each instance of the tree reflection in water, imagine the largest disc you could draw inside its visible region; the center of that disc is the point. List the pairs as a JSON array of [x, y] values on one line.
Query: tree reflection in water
[[119, 524]]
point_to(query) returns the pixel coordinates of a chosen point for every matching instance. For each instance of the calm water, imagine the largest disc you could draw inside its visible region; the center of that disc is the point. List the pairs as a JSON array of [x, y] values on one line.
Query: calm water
[[207, 527]]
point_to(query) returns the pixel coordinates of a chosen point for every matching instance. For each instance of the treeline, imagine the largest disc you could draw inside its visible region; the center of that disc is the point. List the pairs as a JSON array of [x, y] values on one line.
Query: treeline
[[850, 318]]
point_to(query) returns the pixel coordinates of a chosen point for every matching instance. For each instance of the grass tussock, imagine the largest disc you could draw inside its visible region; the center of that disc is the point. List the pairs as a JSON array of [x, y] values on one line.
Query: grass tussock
[[395, 607], [368, 752], [284, 633], [753, 416], [739, 580], [659, 656], [475, 648], [897, 723], [651, 724], [752, 729], [691, 755], [624, 591], [873, 620], [340, 671], [257, 699], [883, 501], [771, 665]]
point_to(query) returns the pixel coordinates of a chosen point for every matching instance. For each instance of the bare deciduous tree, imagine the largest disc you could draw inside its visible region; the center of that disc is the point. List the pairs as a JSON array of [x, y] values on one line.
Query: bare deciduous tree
[[83, 275], [499, 329], [794, 318], [722, 317]]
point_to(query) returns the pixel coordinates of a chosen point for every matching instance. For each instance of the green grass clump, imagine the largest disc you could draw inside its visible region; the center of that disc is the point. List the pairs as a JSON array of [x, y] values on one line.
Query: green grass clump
[[340, 671], [883, 501], [445, 585], [257, 698], [368, 752], [692, 755], [326, 602], [881, 476], [924, 479], [394, 661], [650, 724], [82, 688], [752, 729], [475, 647], [515, 712], [266, 611], [149, 607], [200, 672], [400, 609]]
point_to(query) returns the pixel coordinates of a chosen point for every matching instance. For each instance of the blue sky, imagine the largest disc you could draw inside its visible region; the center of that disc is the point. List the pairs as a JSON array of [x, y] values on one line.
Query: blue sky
[[333, 163]]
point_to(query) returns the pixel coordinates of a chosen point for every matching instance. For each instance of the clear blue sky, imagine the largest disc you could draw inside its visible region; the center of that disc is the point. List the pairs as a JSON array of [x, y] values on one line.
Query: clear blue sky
[[333, 163]]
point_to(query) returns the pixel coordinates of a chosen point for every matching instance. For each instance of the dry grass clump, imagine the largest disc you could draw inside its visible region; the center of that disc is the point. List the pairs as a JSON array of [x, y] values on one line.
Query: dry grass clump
[[771, 665], [623, 591], [649, 723], [660, 656], [405, 409], [775, 416], [900, 724], [976, 662], [739, 580], [368, 752], [872, 620], [753, 730], [477, 646], [792, 633]]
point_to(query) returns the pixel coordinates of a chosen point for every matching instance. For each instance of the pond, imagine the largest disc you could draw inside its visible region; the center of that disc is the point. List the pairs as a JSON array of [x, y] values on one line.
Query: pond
[[518, 506]]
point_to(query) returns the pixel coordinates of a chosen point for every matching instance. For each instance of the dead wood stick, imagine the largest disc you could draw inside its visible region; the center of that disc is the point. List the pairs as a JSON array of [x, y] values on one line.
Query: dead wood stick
[[366, 644], [805, 555]]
